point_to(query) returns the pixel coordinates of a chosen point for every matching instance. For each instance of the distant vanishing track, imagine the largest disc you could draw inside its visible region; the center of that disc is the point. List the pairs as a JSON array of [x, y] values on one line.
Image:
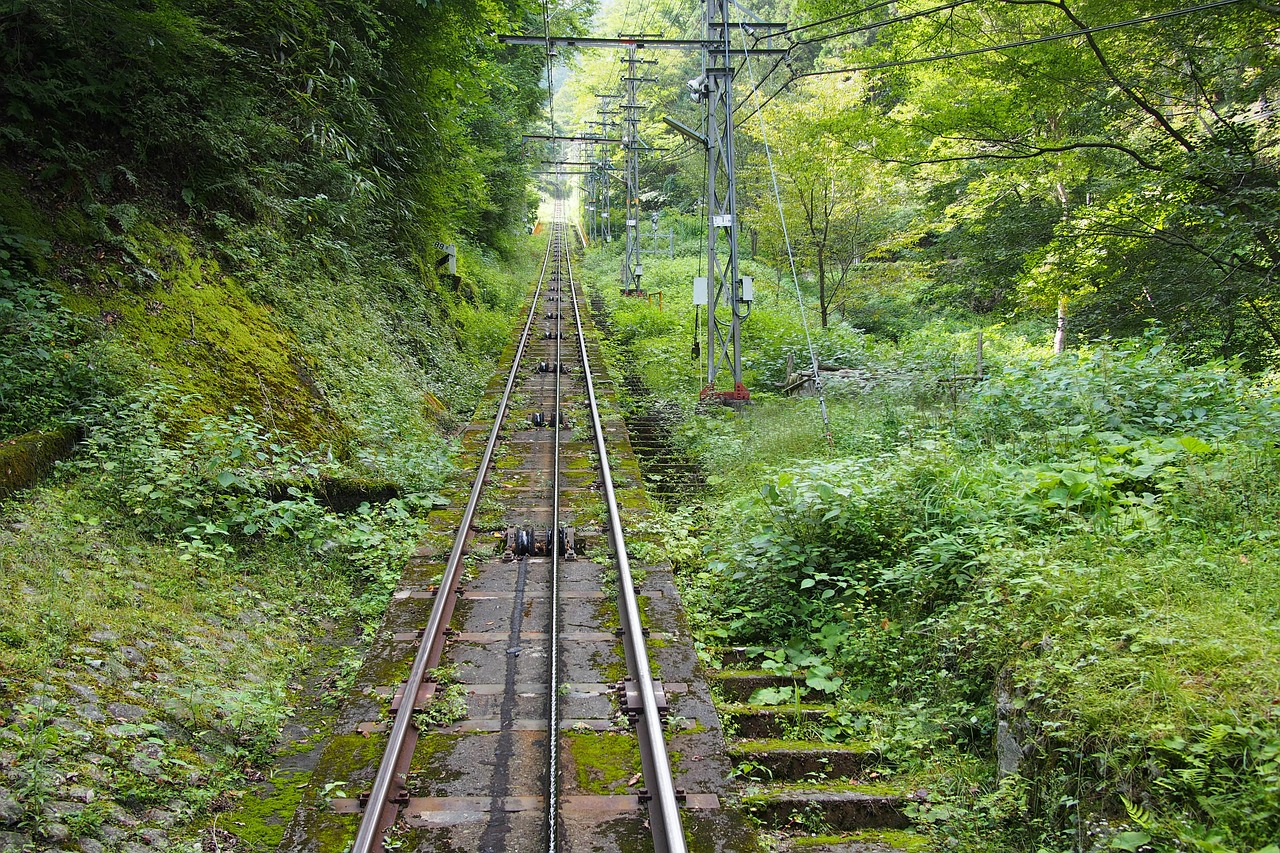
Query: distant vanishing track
[[539, 632]]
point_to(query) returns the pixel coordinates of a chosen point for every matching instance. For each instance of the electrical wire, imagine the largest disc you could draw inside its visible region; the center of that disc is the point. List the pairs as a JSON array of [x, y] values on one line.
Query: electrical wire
[[648, 16], [875, 25], [756, 88], [1084, 31], [842, 16], [900, 63], [626, 18], [676, 153], [786, 238]]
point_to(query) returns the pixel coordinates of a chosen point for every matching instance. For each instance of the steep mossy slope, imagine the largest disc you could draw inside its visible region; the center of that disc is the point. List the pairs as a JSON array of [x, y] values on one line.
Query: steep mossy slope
[[191, 326], [173, 594], [218, 248]]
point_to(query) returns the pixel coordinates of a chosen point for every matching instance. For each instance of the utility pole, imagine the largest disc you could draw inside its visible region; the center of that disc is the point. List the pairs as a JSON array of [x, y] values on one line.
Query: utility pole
[[728, 294], [604, 192], [590, 202], [631, 79], [725, 292]]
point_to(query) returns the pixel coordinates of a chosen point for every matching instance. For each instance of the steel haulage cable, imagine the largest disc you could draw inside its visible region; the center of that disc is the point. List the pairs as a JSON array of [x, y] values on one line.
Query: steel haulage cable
[[369, 835], [553, 680], [782, 217]]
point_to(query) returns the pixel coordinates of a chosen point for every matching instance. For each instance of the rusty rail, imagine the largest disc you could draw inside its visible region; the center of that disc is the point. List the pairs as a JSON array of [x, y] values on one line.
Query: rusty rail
[[388, 787], [664, 812], [381, 810]]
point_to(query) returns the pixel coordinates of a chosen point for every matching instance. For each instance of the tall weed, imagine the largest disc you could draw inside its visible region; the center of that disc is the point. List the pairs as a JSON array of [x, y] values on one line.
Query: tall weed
[[1095, 531]]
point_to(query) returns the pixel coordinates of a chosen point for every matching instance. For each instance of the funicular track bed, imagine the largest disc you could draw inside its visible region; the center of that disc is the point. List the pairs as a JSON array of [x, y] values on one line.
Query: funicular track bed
[[474, 775]]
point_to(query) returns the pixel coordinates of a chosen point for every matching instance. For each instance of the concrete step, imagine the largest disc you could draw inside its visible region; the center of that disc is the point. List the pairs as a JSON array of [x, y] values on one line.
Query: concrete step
[[793, 761], [832, 810], [761, 721], [862, 841], [739, 685]]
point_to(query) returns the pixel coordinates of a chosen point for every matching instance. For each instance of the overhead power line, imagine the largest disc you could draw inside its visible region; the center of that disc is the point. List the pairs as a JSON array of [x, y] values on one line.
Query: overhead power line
[[1084, 31], [960, 54], [875, 25], [841, 17]]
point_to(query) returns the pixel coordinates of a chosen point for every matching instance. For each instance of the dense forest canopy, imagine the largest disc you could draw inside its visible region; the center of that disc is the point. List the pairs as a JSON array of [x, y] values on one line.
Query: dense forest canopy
[[1119, 159], [400, 116], [369, 131]]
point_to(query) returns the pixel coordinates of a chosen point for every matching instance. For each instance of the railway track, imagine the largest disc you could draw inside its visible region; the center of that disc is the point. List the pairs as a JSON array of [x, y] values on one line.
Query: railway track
[[509, 702]]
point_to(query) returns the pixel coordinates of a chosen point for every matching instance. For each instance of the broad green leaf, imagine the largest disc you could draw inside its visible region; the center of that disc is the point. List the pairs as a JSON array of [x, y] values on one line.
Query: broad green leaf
[[1195, 445], [1130, 841]]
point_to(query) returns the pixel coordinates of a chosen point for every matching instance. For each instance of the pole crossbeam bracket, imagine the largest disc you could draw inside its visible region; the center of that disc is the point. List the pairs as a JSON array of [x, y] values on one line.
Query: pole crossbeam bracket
[[685, 131], [547, 137], [658, 44]]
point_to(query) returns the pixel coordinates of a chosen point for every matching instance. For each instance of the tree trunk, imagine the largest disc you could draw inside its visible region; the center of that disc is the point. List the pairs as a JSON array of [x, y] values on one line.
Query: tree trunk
[[1060, 336], [822, 286]]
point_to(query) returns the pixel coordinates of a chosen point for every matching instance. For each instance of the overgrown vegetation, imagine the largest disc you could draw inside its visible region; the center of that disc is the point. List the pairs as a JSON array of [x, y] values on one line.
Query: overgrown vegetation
[[1125, 174], [1078, 550], [219, 266], [1043, 592]]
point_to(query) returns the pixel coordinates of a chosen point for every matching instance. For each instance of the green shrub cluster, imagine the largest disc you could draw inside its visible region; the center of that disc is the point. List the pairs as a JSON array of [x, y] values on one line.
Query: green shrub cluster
[[41, 373], [1087, 542], [232, 483]]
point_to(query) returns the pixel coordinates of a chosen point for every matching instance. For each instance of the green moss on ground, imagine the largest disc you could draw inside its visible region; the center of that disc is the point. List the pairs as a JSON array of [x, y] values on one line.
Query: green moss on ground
[[203, 656], [197, 329], [17, 213], [897, 839], [604, 762], [27, 458], [779, 744], [260, 818]]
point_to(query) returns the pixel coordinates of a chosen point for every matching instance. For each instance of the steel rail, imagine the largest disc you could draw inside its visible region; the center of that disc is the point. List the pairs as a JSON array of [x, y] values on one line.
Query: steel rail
[[430, 646], [664, 811], [553, 632]]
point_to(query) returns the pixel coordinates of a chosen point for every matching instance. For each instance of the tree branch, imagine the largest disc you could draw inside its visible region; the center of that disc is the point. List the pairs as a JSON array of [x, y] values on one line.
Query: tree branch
[[1129, 92], [1034, 152]]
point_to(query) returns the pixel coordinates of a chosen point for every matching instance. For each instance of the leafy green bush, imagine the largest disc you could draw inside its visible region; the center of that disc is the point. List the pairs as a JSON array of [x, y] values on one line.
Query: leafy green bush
[[1132, 390], [42, 374], [232, 484], [1095, 532]]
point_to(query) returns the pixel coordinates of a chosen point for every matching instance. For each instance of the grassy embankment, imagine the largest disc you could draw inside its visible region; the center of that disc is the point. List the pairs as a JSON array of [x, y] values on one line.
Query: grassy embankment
[[266, 419], [1081, 552]]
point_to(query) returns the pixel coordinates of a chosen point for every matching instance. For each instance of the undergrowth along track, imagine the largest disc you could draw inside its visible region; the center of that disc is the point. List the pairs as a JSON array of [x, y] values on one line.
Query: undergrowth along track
[[536, 627]]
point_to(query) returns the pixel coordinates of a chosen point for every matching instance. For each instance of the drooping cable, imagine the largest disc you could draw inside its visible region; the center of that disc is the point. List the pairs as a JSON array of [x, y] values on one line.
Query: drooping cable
[[833, 19], [791, 258], [760, 105], [897, 19], [941, 57], [1083, 31]]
